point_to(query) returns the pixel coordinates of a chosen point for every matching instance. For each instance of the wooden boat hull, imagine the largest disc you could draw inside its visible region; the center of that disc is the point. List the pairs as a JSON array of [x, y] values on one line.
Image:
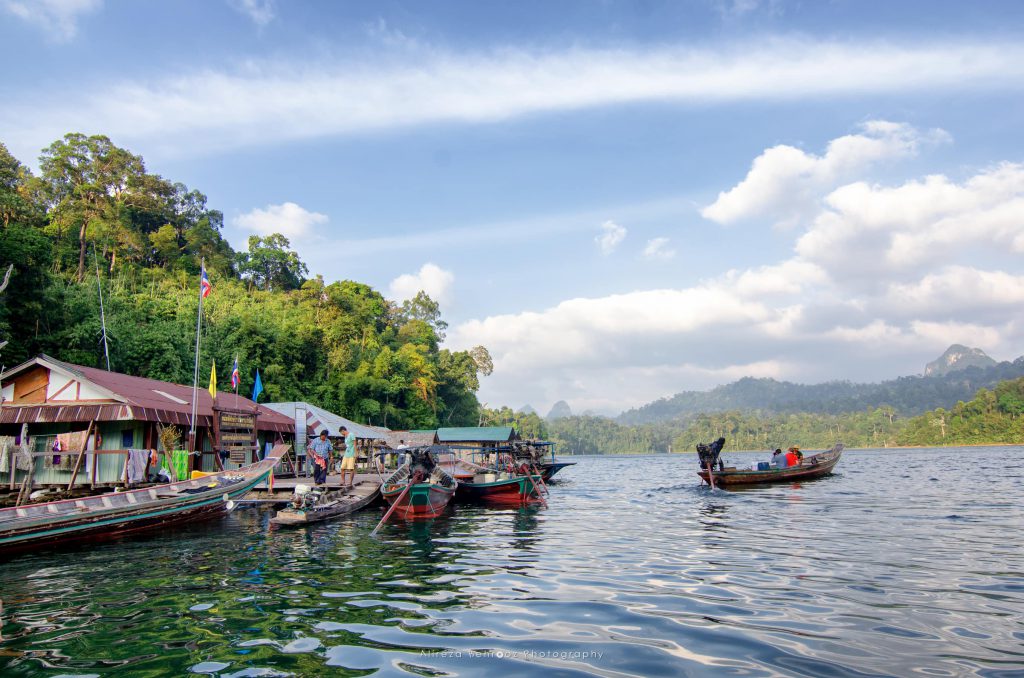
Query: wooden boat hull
[[122, 513], [812, 467], [508, 491], [341, 504], [423, 500], [549, 469]]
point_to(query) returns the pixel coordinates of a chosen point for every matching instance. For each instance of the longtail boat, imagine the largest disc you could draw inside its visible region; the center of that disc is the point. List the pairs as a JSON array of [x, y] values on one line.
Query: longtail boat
[[501, 488], [814, 466], [120, 513], [310, 505], [550, 468], [419, 489]]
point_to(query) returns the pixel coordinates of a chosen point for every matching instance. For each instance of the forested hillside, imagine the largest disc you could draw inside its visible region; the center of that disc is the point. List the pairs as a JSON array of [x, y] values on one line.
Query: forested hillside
[[992, 416], [907, 396], [96, 218]]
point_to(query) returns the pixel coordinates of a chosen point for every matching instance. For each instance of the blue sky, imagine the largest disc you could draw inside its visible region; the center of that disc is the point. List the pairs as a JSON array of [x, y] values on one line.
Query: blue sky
[[621, 200]]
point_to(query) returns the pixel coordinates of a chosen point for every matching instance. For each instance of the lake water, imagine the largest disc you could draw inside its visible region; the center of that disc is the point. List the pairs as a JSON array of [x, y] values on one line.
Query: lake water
[[903, 563]]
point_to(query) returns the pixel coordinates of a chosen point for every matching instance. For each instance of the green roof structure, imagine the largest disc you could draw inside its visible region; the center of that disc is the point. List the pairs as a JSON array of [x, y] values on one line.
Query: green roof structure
[[473, 434]]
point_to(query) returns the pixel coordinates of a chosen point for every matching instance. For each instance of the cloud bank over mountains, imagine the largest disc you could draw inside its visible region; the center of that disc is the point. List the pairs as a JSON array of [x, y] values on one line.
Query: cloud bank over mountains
[[875, 273]]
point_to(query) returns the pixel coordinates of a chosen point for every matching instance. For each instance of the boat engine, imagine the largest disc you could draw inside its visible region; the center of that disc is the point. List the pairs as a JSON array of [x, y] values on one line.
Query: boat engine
[[708, 455], [306, 497]]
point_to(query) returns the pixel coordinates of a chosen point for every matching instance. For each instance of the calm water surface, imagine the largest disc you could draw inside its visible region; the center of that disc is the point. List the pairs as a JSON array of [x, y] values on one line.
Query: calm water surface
[[902, 563]]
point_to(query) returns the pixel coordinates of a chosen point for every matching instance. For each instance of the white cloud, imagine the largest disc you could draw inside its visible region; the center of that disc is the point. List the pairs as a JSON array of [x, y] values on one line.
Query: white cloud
[[876, 232], [959, 290], [941, 334], [657, 248], [290, 220], [882, 280], [58, 18], [261, 12], [788, 278], [273, 101], [431, 278], [786, 183], [612, 235]]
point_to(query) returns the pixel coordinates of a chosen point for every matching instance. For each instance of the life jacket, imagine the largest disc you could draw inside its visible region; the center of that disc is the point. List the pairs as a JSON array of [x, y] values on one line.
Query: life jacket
[[791, 459]]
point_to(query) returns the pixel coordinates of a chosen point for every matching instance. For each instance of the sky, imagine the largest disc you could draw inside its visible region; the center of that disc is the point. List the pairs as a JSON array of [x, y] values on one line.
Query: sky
[[620, 200]]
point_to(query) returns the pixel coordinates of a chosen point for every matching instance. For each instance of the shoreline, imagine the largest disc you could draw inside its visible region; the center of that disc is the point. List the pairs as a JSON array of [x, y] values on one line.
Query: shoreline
[[847, 449]]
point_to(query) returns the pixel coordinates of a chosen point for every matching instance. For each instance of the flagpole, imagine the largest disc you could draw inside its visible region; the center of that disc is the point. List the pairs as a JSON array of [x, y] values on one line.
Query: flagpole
[[195, 375]]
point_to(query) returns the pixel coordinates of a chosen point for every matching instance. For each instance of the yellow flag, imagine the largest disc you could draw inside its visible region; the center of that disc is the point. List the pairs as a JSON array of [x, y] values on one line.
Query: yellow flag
[[213, 380]]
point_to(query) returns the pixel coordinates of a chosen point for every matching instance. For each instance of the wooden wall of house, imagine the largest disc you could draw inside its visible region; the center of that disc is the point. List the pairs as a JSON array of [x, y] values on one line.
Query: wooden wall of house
[[114, 435], [109, 467]]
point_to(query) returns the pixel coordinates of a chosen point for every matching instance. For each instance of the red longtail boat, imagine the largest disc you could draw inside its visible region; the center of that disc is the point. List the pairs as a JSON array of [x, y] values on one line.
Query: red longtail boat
[[420, 489]]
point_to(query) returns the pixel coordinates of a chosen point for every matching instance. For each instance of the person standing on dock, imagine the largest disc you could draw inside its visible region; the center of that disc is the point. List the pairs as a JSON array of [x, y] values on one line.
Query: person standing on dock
[[320, 454], [348, 460]]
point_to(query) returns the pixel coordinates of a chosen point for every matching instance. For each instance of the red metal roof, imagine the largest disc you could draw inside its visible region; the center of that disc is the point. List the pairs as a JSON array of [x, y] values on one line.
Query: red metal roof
[[145, 398]]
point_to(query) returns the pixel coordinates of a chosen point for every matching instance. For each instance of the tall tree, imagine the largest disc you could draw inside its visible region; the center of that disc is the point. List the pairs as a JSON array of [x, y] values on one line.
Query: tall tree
[[270, 264], [16, 205], [88, 179], [424, 309]]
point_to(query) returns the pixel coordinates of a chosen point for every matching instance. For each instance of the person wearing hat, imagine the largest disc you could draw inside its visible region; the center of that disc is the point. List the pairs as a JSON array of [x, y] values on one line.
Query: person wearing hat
[[320, 451], [793, 456]]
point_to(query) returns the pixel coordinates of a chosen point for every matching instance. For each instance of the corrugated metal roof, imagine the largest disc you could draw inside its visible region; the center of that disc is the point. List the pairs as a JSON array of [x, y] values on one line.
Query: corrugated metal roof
[[318, 419], [411, 438], [483, 434], [147, 399]]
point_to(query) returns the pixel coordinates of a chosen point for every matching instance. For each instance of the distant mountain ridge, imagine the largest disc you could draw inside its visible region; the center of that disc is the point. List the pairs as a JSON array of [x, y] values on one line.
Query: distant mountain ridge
[[907, 396]]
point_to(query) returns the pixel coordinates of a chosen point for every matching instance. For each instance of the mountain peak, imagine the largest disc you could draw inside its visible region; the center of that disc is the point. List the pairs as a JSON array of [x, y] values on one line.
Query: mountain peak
[[957, 357], [559, 410]]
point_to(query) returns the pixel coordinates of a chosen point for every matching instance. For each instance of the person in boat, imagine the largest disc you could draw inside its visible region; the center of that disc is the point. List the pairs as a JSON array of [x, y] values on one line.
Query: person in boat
[[779, 459], [320, 457], [793, 456], [348, 459]]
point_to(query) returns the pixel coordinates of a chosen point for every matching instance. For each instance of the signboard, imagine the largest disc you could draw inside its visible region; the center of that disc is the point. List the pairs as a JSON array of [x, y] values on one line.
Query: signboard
[[236, 433]]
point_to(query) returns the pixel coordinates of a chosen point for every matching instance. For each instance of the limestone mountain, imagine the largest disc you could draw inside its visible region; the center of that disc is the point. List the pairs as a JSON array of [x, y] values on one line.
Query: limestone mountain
[[957, 357], [559, 410]]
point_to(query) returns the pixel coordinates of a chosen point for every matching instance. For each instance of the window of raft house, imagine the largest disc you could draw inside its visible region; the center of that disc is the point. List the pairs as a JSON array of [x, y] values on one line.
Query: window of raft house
[[127, 438]]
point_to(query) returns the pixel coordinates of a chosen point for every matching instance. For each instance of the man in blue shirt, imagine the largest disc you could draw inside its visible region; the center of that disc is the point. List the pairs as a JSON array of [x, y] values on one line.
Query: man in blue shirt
[[320, 451]]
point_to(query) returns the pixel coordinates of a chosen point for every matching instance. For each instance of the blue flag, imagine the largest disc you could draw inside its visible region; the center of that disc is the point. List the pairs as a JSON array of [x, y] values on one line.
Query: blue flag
[[257, 388]]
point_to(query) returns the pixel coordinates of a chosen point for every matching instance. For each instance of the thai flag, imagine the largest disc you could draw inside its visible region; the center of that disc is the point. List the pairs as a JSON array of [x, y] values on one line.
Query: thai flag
[[204, 284], [235, 378]]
